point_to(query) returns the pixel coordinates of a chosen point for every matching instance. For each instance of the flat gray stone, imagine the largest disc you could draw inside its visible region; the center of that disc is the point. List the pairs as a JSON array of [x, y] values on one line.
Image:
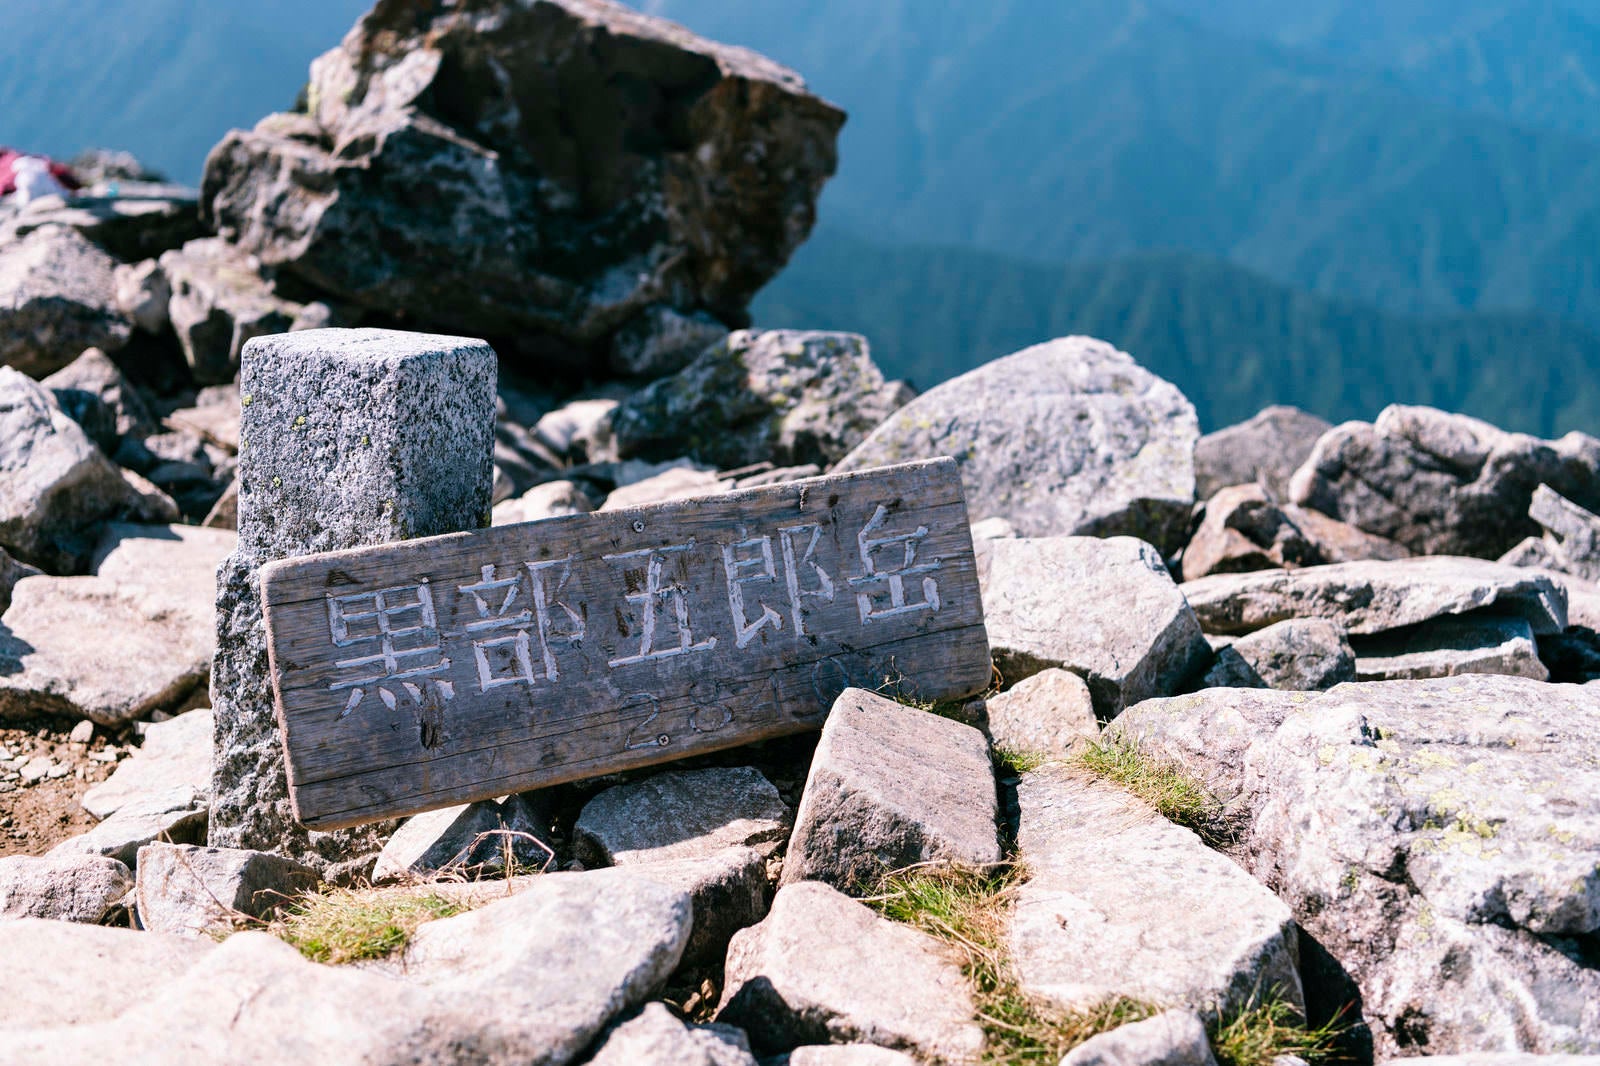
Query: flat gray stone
[[1341, 542], [681, 482], [788, 396], [1482, 789], [1125, 467], [680, 814], [77, 888], [1572, 536], [89, 647], [177, 815], [57, 297], [822, 968], [657, 1037], [1440, 483], [1049, 714], [532, 978], [1370, 597], [142, 218], [1300, 654], [550, 500], [1266, 451], [1121, 902], [1105, 609], [1172, 1038], [174, 754], [349, 438], [74, 974], [93, 393], [1446, 647], [844, 1055], [469, 840], [55, 485], [891, 786], [191, 890]]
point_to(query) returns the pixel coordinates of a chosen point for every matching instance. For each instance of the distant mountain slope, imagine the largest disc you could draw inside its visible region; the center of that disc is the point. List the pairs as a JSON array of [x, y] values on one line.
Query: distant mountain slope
[[1536, 62], [1230, 339], [1084, 130], [164, 79]]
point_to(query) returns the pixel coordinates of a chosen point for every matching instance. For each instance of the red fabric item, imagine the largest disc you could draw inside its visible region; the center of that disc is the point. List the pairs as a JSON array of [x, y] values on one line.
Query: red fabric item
[[8, 179]]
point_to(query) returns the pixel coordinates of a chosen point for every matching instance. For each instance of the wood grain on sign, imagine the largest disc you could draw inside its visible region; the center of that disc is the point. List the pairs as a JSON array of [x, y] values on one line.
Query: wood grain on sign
[[429, 672]]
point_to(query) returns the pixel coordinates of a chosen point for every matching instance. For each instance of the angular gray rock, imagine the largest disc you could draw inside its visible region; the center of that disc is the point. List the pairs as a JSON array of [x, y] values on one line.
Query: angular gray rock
[[1443, 484], [789, 396], [93, 393], [470, 840], [143, 293], [891, 786], [1572, 536], [669, 171], [176, 815], [728, 890], [1172, 1038], [57, 297], [1049, 714], [183, 888], [1102, 866], [661, 341], [74, 974], [142, 218], [12, 572], [822, 968], [353, 437], [1370, 597], [75, 888], [1440, 838], [1125, 467], [1265, 451], [1105, 609], [657, 1037], [55, 485], [1300, 654], [1340, 542], [220, 300], [175, 753], [1446, 647], [1243, 529], [680, 481], [681, 814]]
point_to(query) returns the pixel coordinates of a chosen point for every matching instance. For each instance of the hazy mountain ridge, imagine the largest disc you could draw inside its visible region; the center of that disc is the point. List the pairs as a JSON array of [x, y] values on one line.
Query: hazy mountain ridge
[[1229, 338]]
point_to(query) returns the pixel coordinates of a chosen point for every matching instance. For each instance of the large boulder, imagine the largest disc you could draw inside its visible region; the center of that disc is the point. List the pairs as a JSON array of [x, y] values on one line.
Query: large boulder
[[57, 297], [597, 161], [1443, 484], [789, 396], [55, 485], [682, 814], [1104, 609], [1440, 839], [1067, 437], [1264, 451]]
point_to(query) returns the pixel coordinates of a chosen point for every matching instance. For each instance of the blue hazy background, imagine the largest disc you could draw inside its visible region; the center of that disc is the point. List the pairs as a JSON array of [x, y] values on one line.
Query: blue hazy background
[[1332, 203]]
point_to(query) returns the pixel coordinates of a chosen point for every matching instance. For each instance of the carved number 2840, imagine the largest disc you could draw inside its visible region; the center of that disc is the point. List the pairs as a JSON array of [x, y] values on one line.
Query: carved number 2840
[[649, 733]]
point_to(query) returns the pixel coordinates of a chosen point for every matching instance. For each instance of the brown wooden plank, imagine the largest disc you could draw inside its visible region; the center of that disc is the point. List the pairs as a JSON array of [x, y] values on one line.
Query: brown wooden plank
[[430, 672]]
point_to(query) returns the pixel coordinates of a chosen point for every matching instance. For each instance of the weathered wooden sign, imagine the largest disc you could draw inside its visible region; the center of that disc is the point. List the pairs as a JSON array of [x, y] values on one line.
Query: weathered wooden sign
[[415, 675]]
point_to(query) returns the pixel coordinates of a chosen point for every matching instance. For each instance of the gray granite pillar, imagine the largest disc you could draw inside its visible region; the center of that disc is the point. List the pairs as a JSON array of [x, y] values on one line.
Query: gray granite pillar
[[350, 437]]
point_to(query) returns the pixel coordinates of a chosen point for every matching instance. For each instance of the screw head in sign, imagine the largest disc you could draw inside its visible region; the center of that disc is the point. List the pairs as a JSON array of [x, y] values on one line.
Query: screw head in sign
[[638, 526], [663, 740]]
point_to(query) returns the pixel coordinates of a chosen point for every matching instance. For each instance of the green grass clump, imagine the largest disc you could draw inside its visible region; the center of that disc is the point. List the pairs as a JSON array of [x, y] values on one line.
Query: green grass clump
[[1259, 1034], [1016, 760], [1167, 787], [967, 909], [347, 926]]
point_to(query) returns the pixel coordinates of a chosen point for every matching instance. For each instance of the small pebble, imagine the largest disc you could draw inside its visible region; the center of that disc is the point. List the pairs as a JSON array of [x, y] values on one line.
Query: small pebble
[[82, 733]]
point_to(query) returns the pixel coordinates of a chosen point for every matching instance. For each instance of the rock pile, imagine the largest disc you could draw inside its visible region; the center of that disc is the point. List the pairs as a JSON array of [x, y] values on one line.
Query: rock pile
[[1295, 724]]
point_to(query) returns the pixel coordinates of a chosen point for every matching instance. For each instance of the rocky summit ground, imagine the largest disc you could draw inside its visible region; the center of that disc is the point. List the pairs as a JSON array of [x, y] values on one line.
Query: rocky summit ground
[[1290, 749]]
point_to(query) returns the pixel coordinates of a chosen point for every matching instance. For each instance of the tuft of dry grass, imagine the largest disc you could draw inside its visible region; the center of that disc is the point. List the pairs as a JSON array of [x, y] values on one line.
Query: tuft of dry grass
[[1167, 787], [349, 925], [1271, 1028]]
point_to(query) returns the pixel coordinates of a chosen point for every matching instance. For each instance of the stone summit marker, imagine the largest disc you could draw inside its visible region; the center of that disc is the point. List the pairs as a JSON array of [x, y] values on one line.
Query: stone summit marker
[[454, 668]]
